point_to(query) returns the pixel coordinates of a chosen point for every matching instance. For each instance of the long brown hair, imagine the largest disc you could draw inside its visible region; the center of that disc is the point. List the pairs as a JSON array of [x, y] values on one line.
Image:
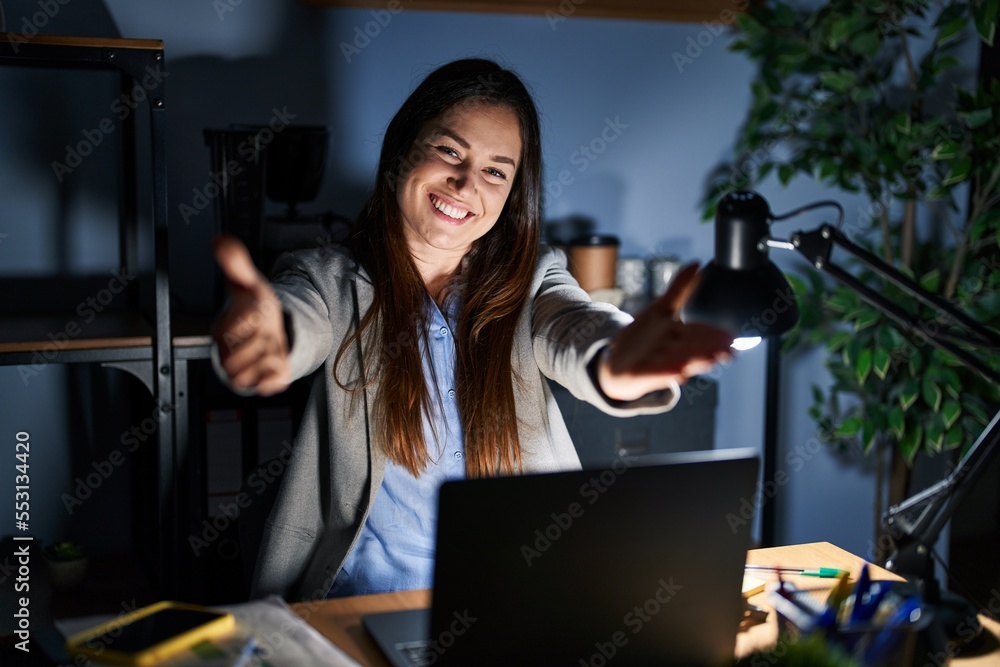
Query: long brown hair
[[496, 275]]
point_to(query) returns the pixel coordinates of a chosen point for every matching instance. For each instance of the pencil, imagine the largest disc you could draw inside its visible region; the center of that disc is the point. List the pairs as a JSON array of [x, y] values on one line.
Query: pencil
[[824, 572]]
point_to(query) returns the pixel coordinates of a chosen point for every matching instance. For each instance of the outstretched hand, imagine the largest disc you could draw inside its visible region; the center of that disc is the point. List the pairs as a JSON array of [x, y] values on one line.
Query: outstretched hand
[[657, 349], [250, 333]]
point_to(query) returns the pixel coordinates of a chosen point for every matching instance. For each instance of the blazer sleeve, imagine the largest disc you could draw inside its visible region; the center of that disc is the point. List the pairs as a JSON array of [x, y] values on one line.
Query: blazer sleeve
[[569, 331], [306, 283], [302, 282]]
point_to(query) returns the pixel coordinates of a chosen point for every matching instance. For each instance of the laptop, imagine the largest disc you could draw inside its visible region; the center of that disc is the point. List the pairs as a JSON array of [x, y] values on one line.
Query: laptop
[[637, 563]]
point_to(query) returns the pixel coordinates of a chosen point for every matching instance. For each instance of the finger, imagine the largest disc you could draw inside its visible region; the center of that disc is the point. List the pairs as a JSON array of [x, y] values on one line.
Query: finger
[[232, 332], [268, 376], [708, 335], [236, 264], [680, 288], [697, 367], [249, 375], [244, 356], [273, 383]]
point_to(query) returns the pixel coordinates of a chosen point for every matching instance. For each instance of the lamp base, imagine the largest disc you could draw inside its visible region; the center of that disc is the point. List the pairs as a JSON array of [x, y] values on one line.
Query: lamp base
[[957, 620]]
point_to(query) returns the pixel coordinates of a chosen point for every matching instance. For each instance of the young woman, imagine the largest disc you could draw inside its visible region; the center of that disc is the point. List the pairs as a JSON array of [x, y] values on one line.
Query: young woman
[[433, 330]]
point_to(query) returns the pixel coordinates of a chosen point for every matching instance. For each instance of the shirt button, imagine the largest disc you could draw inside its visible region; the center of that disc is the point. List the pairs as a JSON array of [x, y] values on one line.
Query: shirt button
[[451, 393], [458, 455], [444, 331]]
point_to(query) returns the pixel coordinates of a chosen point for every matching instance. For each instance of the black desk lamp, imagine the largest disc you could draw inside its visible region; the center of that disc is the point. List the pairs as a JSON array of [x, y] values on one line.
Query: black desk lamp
[[914, 524], [741, 290]]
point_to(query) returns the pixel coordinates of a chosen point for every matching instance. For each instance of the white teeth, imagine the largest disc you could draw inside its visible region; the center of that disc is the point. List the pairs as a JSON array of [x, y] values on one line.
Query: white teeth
[[448, 210]]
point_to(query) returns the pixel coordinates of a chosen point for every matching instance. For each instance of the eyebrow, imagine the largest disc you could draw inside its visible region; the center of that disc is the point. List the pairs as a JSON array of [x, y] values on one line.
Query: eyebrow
[[465, 144]]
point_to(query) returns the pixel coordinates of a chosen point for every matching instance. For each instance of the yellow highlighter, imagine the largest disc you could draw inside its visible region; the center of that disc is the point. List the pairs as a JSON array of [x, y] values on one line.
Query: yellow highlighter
[[840, 592]]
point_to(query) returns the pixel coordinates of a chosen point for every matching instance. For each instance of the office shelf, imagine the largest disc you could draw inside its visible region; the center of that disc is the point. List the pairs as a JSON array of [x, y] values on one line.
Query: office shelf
[[125, 341], [106, 336]]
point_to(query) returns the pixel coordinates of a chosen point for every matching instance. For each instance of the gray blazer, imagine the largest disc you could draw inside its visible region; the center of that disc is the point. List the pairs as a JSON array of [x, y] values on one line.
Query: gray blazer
[[335, 469]]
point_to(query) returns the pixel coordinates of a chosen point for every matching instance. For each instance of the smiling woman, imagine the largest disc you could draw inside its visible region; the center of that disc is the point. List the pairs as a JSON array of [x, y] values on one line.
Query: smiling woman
[[456, 193], [434, 329]]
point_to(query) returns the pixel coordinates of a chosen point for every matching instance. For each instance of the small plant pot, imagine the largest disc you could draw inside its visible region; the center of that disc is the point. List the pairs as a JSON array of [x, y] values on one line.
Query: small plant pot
[[66, 574]]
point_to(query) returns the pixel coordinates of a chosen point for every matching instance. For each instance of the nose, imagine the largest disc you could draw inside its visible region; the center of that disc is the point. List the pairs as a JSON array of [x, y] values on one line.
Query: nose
[[461, 178]]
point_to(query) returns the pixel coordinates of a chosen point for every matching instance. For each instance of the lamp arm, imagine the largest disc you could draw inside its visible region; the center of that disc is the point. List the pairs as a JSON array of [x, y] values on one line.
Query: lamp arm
[[817, 245], [921, 517], [915, 523]]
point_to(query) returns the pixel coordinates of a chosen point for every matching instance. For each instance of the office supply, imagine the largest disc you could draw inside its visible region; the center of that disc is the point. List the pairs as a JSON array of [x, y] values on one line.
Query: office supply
[[752, 585], [247, 654], [824, 572], [840, 592], [636, 562], [858, 611], [878, 623], [274, 635], [150, 635]]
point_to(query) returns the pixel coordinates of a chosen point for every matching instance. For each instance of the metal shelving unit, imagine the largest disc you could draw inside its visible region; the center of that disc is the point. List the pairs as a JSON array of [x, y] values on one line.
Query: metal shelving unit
[[127, 342]]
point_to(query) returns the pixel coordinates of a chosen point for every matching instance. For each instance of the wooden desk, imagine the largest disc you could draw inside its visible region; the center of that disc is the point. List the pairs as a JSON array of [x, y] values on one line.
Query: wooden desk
[[340, 620]]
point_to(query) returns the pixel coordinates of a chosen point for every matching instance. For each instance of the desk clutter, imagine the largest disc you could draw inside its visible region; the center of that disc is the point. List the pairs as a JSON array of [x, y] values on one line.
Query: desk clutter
[[264, 633], [867, 623]]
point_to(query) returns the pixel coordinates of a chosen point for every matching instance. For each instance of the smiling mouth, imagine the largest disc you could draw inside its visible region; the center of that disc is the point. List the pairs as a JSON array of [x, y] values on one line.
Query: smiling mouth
[[452, 212]]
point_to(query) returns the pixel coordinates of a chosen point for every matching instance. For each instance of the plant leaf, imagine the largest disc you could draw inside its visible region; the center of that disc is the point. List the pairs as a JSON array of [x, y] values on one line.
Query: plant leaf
[[954, 438], [986, 14], [848, 428], [785, 173], [909, 444], [931, 281], [909, 394], [864, 365], [959, 171], [897, 422], [978, 118], [840, 81], [950, 412], [838, 340], [987, 32], [951, 30], [868, 434], [880, 362], [934, 435], [946, 150], [866, 319], [932, 393], [946, 63]]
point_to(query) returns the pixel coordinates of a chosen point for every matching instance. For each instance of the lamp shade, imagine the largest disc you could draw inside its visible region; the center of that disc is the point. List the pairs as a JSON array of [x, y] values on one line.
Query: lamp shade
[[741, 290]]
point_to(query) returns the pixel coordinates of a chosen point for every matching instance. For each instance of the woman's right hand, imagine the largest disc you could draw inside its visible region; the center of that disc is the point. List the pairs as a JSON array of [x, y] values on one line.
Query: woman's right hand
[[250, 333]]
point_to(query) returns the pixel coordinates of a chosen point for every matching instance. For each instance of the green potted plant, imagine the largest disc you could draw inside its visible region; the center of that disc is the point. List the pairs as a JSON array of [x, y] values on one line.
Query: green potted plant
[[865, 97], [66, 563]]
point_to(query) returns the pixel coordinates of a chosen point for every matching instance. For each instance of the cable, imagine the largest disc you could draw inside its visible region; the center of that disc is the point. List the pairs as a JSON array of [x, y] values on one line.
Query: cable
[[809, 207]]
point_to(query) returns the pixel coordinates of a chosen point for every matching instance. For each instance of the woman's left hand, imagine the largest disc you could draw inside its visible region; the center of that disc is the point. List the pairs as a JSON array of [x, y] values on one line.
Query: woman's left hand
[[657, 349]]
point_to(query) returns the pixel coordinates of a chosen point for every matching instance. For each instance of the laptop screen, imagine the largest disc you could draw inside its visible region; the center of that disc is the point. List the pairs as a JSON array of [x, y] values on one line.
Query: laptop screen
[[639, 562]]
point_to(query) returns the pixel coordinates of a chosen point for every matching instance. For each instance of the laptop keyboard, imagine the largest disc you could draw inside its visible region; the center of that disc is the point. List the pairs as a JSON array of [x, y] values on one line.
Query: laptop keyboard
[[418, 653]]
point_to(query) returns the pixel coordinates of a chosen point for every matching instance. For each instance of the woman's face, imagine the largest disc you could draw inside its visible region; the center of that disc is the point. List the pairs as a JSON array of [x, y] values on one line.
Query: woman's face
[[461, 168]]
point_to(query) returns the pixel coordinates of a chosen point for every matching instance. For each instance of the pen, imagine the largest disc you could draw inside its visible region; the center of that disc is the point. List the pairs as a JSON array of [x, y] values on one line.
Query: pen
[[893, 632], [862, 590], [246, 655], [824, 572]]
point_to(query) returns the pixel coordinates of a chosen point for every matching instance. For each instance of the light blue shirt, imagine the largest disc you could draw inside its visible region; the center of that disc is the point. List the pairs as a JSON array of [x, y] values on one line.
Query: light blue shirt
[[395, 550]]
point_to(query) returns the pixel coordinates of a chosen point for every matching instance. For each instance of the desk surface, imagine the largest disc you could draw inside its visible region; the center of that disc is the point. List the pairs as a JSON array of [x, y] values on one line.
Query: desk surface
[[339, 620]]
